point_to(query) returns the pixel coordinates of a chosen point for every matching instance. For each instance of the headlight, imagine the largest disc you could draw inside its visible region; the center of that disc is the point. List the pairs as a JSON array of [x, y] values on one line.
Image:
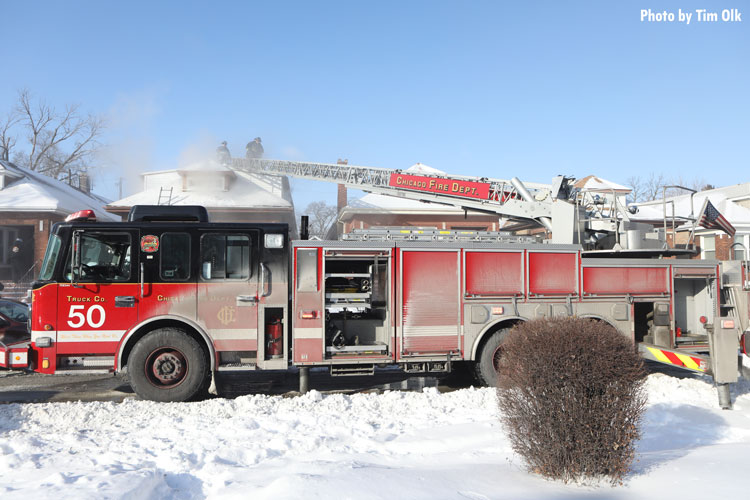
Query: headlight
[[43, 341], [274, 241]]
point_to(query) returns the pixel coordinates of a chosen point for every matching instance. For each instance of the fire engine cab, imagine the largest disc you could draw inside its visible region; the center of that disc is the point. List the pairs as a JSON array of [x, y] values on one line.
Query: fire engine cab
[[166, 290], [171, 299]]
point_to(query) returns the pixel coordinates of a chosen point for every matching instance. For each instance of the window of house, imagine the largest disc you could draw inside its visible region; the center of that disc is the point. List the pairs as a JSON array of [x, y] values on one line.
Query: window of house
[[708, 245], [7, 237], [225, 256], [740, 248]]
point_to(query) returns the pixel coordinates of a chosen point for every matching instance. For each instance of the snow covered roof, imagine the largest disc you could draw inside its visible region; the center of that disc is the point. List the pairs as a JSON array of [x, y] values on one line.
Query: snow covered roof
[[421, 168], [212, 186], [23, 190], [721, 198], [594, 183]]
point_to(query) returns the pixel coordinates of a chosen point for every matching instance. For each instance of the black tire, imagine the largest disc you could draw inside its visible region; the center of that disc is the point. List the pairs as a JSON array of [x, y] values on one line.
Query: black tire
[[168, 365], [484, 367]]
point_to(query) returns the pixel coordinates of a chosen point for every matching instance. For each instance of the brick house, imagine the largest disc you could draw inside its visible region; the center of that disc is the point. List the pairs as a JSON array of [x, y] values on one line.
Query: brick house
[[29, 204]]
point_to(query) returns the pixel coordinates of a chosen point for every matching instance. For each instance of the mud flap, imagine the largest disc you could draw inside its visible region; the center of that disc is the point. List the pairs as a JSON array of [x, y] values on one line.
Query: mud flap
[[212, 387]]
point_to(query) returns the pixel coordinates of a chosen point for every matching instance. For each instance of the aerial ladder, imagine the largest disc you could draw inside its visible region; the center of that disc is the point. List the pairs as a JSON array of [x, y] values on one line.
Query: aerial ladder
[[596, 220]]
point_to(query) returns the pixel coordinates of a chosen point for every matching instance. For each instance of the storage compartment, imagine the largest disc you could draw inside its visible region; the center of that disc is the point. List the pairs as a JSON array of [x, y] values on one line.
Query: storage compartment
[[643, 313], [356, 314], [273, 332], [693, 298]]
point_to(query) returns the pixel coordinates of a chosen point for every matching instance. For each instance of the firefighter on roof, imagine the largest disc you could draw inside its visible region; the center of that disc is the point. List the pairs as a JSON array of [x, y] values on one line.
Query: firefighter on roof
[[254, 149], [223, 154]]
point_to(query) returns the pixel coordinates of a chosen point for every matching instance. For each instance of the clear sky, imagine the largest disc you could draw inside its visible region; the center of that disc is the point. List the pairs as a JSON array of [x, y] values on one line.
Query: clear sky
[[499, 89]]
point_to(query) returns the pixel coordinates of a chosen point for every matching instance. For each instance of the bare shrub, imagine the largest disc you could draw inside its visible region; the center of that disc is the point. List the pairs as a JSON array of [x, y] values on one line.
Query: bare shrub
[[571, 398]]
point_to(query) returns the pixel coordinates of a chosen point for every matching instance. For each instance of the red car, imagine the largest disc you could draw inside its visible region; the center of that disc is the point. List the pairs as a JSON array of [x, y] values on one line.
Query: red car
[[14, 317]]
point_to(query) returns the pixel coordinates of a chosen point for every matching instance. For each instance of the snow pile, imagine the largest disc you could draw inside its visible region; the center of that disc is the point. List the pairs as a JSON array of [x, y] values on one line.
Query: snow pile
[[392, 445]]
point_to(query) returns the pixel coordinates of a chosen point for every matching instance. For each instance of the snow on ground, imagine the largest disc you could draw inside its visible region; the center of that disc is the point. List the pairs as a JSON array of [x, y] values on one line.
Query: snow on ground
[[412, 445]]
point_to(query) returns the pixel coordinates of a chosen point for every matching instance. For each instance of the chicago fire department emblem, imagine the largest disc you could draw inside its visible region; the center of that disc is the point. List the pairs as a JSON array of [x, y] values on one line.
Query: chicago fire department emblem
[[226, 315], [149, 243]]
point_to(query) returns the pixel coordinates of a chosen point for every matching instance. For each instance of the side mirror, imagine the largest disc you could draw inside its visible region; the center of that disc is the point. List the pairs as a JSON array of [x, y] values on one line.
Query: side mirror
[[75, 258], [4, 322]]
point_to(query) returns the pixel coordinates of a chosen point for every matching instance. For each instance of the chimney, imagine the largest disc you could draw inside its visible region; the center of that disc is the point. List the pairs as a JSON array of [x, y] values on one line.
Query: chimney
[[84, 183], [341, 199]]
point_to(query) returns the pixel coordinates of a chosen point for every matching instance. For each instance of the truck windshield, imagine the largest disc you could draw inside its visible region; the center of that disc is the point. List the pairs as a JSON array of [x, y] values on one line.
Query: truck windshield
[[105, 257], [50, 257]]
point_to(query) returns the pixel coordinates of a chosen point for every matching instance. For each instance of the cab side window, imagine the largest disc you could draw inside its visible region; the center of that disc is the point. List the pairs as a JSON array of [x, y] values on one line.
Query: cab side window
[[175, 257], [225, 257], [105, 257]]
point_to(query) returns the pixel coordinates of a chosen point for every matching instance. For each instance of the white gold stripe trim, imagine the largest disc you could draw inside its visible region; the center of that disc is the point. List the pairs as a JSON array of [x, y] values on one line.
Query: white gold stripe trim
[[431, 331], [233, 333], [308, 333], [87, 335]]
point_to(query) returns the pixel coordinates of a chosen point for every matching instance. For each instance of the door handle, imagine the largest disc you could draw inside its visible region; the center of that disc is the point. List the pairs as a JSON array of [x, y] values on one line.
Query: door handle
[[263, 272], [251, 299], [124, 301]]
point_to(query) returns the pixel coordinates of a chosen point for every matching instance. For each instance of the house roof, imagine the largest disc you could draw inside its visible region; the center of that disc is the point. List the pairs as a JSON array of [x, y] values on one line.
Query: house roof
[[212, 186], [721, 198], [594, 183], [24, 190]]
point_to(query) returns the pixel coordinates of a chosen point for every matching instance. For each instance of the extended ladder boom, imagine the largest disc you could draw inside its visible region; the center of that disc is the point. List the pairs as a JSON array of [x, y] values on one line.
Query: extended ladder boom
[[508, 198], [569, 214]]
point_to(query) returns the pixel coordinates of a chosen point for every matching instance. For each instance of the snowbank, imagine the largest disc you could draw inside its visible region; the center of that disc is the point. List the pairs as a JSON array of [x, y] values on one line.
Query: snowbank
[[392, 445]]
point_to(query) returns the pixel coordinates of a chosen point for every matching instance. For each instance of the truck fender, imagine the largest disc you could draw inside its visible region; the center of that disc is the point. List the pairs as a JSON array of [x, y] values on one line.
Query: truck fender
[[492, 327], [599, 318], [126, 340]]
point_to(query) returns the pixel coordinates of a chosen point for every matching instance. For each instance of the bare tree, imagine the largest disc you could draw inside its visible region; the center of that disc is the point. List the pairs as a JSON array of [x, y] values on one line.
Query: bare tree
[[697, 183], [653, 187], [7, 140], [322, 216], [58, 144]]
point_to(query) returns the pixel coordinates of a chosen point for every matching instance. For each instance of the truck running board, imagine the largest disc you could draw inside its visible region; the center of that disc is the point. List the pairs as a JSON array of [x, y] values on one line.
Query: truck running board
[[351, 370], [693, 362]]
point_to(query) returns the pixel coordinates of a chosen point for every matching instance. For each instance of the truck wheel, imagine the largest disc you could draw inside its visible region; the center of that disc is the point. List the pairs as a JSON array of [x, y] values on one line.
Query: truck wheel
[[486, 365], [167, 365]]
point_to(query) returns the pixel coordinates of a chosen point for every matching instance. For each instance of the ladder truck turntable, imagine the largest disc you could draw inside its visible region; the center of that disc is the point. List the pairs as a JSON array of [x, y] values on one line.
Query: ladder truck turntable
[[171, 299]]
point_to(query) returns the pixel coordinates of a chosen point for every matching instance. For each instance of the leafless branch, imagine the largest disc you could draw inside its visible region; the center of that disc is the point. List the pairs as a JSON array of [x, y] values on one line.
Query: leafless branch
[[321, 217], [653, 186], [58, 143], [7, 137]]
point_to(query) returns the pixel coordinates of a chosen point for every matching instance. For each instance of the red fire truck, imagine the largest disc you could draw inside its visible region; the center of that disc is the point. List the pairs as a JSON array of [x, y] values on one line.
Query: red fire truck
[[172, 299]]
